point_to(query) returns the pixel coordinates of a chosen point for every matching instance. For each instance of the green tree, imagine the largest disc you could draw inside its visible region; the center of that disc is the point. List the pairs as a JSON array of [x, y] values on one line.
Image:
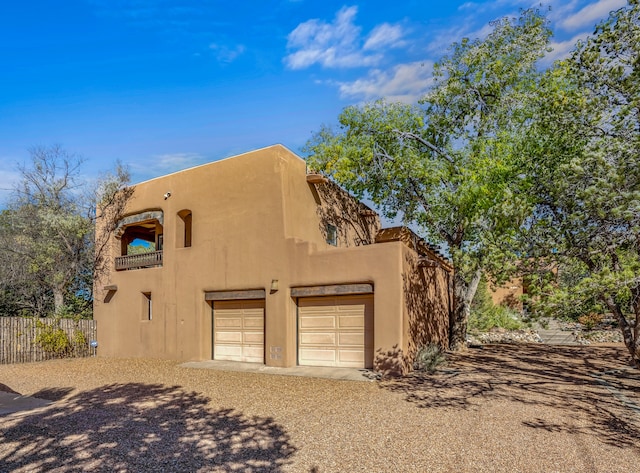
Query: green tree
[[581, 162], [447, 164], [47, 248]]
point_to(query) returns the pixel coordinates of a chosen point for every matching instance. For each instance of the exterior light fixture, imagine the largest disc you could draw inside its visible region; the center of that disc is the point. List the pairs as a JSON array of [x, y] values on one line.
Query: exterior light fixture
[[167, 195], [274, 285]]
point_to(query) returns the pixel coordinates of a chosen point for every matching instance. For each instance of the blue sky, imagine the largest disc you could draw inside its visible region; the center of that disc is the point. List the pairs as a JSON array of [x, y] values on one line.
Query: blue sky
[[163, 85]]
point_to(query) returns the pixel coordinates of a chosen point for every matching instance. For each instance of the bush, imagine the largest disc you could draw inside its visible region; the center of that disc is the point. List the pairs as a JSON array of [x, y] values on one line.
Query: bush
[[486, 315], [495, 316], [429, 357], [589, 321], [53, 340]]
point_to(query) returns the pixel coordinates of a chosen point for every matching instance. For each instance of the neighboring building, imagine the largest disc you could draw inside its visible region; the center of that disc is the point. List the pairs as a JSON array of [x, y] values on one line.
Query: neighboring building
[[509, 294], [252, 259]]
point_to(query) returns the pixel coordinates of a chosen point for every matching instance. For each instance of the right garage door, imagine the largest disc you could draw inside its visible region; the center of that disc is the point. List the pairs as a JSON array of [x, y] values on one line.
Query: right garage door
[[336, 331]]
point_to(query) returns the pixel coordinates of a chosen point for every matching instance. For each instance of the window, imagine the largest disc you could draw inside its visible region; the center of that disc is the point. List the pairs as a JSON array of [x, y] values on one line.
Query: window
[[184, 223], [147, 306], [140, 233], [332, 235], [141, 239]]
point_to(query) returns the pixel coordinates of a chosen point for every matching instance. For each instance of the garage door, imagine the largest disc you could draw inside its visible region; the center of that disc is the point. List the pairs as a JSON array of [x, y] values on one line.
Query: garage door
[[238, 331], [336, 331]]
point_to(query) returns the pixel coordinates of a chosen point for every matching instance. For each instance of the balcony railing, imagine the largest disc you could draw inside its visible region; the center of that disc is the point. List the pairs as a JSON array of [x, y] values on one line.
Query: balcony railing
[[142, 260]]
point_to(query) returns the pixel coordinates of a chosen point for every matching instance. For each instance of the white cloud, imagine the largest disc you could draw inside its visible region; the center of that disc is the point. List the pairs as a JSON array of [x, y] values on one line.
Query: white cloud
[[445, 38], [494, 5], [226, 54], [332, 45], [385, 35], [561, 49], [159, 165], [590, 14], [177, 161], [341, 43], [403, 83]]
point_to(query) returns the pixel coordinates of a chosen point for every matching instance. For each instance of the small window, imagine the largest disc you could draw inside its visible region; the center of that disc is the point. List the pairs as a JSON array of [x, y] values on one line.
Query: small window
[[332, 235], [147, 306], [184, 224]]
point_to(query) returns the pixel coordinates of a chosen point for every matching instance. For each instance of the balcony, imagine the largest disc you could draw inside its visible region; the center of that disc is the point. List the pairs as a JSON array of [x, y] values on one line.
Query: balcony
[[139, 261]]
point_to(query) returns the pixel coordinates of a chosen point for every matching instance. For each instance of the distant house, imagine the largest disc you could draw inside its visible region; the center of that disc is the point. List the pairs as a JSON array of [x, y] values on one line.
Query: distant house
[[253, 259], [509, 294]]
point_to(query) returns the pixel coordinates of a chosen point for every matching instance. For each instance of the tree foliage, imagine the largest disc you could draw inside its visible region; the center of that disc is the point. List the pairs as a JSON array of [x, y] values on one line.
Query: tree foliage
[[581, 163], [446, 165], [47, 249]]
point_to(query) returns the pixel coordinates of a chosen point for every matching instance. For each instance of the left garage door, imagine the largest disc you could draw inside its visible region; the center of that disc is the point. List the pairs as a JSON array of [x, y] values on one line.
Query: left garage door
[[238, 331]]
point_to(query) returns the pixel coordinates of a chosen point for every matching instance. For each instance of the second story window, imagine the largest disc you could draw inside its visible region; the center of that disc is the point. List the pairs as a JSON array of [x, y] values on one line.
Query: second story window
[[184, 224], [332, 235], [141, 239]]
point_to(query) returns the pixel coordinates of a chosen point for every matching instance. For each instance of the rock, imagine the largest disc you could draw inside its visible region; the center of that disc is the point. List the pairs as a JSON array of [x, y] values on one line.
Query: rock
[[504, 336]]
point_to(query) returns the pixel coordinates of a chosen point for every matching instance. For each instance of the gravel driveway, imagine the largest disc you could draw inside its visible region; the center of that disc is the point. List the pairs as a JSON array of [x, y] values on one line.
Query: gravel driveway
[[527, 408]]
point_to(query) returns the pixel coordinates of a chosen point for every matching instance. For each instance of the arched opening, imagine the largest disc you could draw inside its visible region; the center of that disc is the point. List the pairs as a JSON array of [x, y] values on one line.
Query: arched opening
[[184, 228], [141, 239]]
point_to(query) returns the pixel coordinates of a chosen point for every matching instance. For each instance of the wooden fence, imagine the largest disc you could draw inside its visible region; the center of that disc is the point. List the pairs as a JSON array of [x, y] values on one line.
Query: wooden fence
[[19, 344]]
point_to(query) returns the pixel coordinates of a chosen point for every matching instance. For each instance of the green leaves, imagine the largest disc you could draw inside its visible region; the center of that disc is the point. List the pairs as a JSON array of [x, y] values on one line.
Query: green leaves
[[448, 166], [47, 248], [580, 157]]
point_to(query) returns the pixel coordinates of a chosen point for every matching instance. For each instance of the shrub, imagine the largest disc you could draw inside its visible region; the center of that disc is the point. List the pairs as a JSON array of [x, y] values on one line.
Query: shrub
[[589, 321], [486, 315], [79, 340], [53, 340], [429, 357], [494, 316]]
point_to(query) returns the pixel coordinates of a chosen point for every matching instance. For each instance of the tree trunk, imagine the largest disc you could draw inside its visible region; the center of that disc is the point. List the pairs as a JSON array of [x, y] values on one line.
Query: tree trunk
[[58, 300], [630, 337], [463, 293]]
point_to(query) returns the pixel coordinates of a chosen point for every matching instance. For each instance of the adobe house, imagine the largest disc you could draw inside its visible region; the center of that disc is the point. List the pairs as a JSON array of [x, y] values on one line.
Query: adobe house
[[253, 259], [509, 294]]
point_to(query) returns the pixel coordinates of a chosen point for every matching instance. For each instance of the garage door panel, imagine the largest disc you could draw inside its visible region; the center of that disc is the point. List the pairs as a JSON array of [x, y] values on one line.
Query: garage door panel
[[228, 322], [253, 322], [253, 354], [351, 356], [354, 339], [228, 337], [318, 320], [318, 356], [351, 321], [335, 331], [311, 338], [253, 337], [238, 331], [228, 352]]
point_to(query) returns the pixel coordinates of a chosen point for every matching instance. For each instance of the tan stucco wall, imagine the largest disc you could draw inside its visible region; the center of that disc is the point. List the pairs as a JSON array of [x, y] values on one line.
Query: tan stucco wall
[[509, 294], [255, 219], [427, 303]]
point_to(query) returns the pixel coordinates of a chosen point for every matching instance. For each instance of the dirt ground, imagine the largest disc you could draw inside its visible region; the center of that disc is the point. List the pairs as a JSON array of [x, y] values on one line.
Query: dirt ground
[[503, 408]]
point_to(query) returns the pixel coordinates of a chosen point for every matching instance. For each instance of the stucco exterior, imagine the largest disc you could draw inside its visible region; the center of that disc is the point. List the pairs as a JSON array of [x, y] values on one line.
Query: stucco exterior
[[257, 224]]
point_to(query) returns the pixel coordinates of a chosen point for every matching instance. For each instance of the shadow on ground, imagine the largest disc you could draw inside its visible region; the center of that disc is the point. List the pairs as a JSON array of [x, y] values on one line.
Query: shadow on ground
[[138, 428], [589, 383]]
